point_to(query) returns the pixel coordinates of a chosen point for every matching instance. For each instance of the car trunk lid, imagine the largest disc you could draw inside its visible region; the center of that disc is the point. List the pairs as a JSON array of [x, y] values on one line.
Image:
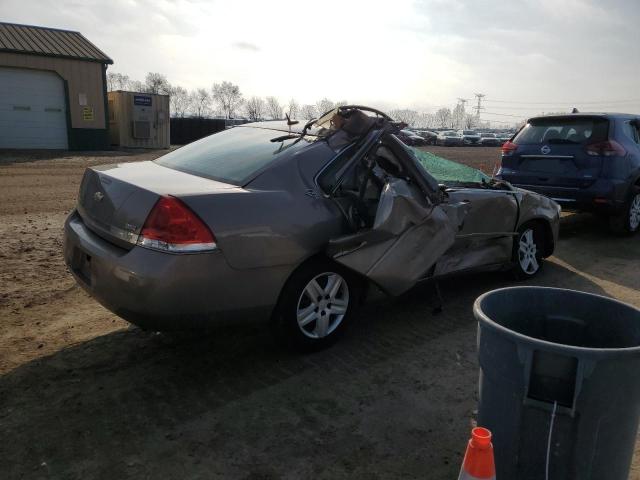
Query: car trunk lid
[[115, 200]]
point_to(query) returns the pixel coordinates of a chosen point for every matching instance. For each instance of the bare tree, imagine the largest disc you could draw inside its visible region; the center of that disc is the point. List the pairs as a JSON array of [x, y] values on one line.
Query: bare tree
[[254, 108], [179, 101], [200, 102], [136, 86], [426, 120], [324, 105], [156, 83], [470, 121], [274, 109], [308, 112], [443, 118], [293, 108], [458, 116], [228, 97], [117, 81], [410, 117]]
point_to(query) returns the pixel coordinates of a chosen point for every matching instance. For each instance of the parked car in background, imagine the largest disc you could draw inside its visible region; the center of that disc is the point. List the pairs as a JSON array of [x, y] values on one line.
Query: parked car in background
[[290, 224], [449, 139], [504, 137], [411, 138], [489, 140], [469, 137], [429, 136], [584, 161]]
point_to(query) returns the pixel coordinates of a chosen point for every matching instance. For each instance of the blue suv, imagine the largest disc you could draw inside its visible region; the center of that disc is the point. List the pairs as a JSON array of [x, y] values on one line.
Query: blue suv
[[584, 161]]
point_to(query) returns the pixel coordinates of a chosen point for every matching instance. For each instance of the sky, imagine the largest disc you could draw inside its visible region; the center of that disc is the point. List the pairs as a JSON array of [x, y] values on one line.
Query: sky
[[525, 56]]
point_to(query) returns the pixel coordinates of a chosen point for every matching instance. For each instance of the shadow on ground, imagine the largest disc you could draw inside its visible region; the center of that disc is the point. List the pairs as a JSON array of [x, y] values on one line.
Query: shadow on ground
[[588, 245], [393, 399]]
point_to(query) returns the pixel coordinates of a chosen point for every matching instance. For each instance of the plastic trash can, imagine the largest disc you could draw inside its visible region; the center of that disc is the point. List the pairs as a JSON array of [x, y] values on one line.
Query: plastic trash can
[[559, 382]]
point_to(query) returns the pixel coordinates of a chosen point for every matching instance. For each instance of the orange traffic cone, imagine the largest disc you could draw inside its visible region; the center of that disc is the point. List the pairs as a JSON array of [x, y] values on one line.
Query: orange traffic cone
[[478, 460]]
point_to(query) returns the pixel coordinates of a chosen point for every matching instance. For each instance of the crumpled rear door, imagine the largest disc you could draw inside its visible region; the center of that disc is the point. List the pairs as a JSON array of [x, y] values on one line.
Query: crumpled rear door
[[408, 236]]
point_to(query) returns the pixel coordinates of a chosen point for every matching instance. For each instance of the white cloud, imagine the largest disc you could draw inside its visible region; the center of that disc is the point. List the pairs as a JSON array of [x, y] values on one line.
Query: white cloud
[[406, 53]]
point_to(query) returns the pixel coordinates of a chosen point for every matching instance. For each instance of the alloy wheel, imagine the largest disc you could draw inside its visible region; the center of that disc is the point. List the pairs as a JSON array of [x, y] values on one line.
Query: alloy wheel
[[634, 213], [322, 305], [527, 253]]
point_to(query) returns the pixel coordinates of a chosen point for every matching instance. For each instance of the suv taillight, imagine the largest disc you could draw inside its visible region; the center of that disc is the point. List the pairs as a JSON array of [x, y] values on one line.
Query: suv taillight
[[608, 148], [508, 148], [172, 227]]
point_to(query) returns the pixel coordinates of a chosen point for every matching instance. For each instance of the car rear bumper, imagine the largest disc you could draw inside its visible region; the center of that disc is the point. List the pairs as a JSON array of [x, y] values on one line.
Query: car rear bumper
[[164, 291], [603, 196]]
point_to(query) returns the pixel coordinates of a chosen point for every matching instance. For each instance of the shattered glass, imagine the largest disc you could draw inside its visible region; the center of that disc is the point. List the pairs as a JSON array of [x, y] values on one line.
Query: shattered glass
[[446, 171]]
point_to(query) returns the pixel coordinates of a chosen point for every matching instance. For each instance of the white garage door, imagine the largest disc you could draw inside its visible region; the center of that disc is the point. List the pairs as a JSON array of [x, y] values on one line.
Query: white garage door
[[32, 109]]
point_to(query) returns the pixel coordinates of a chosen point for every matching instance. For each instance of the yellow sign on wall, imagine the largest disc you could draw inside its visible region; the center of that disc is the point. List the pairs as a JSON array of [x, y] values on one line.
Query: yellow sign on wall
[[87, 114]]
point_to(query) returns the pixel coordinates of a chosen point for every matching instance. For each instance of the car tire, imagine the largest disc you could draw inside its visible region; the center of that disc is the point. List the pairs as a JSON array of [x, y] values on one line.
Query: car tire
[[528, 250], [628, 221], [309, 324]]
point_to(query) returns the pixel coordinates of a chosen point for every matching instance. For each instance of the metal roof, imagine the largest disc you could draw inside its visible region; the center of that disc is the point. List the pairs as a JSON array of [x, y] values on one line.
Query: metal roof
[[49, 42]]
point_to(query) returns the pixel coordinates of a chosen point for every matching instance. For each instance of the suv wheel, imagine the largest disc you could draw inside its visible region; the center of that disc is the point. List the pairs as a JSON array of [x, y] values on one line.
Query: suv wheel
[[527, 251], [629, 220], [316, 305]]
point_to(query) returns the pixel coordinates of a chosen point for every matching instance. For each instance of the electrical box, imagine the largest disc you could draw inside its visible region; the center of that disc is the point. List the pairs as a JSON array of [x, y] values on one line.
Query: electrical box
[[139, 119]]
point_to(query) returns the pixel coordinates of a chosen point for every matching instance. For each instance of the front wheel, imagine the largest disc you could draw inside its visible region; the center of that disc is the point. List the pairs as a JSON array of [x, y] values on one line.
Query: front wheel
[[527, 251], [316, 305]]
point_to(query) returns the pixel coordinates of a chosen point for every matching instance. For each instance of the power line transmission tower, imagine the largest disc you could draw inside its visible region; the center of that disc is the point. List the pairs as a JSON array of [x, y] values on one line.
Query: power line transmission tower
[[478, 107]]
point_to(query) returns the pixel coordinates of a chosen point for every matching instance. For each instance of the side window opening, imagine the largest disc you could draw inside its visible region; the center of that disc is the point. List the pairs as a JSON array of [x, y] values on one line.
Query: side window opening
[[360, 190]]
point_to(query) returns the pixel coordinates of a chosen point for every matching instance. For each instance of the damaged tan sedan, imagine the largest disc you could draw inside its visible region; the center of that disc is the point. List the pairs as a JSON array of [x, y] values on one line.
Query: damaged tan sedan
[[291, 223]]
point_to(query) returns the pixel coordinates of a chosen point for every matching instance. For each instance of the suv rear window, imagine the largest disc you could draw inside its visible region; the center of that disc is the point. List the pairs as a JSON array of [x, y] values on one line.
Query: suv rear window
[[563, 131], [234, 155]]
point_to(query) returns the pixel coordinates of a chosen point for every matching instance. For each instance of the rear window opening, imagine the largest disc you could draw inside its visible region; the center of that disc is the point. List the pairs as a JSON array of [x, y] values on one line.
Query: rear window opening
[[233, 156], [563, 131]]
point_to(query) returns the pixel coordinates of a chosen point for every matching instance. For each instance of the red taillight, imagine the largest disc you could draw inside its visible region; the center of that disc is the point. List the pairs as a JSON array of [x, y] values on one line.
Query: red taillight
[[172, 226], [508, 148], [608, 148]]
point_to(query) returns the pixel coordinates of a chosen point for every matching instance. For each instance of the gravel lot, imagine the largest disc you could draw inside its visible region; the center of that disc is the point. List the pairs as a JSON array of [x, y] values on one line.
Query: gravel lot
[[83, 395]]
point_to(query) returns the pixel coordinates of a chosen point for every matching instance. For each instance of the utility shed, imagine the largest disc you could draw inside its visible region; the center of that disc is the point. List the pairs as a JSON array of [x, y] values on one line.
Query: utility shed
[[139, 119], [52, 89]]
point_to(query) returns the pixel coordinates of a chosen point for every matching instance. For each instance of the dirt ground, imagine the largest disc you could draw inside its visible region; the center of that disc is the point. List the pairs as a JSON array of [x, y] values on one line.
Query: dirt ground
[[83, 395]]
